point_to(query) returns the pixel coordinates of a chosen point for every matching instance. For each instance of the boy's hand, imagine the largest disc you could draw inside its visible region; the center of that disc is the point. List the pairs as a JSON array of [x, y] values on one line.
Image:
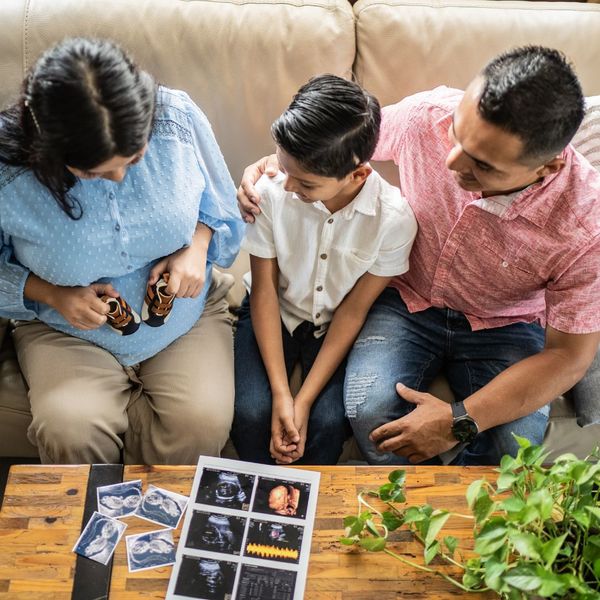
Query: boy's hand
[[248, 198], [81, 306], [284, 435], [301, 415]]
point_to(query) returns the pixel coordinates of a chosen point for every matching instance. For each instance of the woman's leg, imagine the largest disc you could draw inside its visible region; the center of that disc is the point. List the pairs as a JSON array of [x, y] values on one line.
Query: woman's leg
[[78, 393], [187, 405]]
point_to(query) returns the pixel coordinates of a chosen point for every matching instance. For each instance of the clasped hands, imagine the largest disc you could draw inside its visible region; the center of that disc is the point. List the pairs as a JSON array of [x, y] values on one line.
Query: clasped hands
[[289, 426]]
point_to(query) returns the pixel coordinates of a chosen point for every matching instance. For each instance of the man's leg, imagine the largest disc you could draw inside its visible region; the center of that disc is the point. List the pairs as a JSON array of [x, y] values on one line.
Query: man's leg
[[328, 427], [187, 405], [476, 357], [251, 430], [78, 393], [393, 346]]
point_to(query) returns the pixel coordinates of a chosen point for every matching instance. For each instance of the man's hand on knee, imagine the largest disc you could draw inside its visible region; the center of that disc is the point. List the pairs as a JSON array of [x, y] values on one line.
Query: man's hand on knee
[[421, 434]]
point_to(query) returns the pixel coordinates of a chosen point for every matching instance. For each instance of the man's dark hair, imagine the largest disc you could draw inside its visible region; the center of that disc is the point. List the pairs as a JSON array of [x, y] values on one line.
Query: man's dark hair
[[83, 102], [533, 92], [331, 126]]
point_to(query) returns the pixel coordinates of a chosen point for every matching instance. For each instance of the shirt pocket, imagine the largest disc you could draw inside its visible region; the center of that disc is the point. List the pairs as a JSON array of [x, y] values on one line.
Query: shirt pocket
[[349, 265], [517, 266]]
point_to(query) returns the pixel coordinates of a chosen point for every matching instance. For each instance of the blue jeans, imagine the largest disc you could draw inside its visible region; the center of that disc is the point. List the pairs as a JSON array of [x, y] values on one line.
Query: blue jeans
[[397, 346], [328, 427]]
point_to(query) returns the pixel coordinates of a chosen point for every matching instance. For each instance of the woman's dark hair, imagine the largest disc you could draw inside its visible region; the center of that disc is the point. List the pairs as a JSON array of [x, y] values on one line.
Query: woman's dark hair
[[82, 103], [534, 93], [331, 126]]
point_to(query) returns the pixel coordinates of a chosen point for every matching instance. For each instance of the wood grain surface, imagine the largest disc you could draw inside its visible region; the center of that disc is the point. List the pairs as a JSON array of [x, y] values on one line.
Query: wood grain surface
[[43, 506]]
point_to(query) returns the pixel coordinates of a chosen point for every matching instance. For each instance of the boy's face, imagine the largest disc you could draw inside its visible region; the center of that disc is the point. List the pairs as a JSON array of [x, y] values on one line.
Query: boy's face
[[307, 186]]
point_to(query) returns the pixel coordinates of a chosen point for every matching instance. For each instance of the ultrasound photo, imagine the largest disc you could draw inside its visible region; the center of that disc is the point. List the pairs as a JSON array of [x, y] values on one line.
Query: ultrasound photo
[[263, 583], [215, 532], [205, 579], [225, 489], [280, 497], [274, 541]]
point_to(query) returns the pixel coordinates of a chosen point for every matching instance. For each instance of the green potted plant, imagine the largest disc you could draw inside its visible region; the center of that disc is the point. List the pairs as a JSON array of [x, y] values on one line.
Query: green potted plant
[[536, 529]]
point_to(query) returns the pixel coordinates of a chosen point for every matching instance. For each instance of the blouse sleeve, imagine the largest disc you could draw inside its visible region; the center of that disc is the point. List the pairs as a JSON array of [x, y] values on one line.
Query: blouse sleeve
[[12, 285], [218, 205]]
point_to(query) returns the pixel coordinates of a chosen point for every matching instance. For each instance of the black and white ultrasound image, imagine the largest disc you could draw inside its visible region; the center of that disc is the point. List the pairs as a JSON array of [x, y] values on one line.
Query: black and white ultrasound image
[[225, 489], [205, 579], [215, 532], [263, 583]]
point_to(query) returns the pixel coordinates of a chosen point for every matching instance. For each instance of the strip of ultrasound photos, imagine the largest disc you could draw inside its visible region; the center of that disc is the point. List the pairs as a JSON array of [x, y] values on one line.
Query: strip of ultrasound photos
[[234, 467]]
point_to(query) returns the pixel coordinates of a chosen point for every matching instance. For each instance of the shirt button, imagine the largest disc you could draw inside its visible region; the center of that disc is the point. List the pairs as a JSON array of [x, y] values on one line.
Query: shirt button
[[317, 315], [123, 253], [129, 267], [504, 264], [330, 221], [111, 195], [323, 256], [319, 288], [117, 227]]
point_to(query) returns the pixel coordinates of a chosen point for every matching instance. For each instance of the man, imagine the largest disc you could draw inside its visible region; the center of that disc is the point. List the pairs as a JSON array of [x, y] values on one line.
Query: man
[[508, 244]]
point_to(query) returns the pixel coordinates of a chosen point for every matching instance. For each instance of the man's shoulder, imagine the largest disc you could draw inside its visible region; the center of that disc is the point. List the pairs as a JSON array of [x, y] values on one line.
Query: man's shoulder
[[436, 102]]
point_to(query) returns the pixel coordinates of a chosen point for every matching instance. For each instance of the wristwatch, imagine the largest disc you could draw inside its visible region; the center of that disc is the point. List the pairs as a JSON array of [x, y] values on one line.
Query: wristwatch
[[464, 428]]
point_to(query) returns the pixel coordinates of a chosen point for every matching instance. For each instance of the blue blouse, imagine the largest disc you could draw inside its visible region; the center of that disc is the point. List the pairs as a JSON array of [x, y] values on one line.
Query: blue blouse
[[125, 228]]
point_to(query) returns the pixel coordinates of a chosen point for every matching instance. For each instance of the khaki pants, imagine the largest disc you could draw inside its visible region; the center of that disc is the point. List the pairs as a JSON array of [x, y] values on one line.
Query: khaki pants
[[169, 409]]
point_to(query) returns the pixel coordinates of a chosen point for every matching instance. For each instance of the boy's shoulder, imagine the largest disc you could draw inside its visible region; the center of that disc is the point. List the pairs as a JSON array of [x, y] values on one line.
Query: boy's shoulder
[[388, 198], [270, 189]]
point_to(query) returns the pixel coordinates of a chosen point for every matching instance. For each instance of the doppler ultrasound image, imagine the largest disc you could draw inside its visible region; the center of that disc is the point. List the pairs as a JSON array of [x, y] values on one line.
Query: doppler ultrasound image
[[274, 541]]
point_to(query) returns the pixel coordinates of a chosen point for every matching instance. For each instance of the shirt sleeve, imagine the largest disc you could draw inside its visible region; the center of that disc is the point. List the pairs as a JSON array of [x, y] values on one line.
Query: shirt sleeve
[[12, 286], [397, 243], [259, 240], [218, 205], [573, 300]]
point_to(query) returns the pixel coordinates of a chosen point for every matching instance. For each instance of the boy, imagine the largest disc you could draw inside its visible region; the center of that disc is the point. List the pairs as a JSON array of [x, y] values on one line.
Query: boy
[[331, 235]]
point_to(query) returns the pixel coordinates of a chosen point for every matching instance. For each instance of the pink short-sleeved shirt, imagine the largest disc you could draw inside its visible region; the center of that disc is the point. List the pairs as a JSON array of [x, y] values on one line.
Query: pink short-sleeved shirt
[[538, 260]]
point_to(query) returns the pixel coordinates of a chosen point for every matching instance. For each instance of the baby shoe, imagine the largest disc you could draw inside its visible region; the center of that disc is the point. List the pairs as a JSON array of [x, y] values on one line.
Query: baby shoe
[[158, 303], [121, 317]]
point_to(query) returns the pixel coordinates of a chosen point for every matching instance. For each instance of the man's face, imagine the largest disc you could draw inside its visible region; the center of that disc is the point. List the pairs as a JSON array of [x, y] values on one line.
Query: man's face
[[483, 157]]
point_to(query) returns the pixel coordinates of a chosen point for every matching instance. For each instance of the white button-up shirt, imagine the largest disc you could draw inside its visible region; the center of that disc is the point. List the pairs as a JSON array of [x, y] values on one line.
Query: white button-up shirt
[[321, 255]]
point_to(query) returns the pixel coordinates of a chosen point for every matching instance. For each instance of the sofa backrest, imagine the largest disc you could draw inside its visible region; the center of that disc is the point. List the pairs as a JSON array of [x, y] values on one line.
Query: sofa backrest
[[240, 60]]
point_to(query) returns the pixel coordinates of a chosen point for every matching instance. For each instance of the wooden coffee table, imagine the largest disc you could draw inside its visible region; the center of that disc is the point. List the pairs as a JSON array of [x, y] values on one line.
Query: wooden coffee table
[[41, 518]]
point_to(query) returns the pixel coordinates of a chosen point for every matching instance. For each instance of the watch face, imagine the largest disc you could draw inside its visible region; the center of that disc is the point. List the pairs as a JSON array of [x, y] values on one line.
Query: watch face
[[464, 430]]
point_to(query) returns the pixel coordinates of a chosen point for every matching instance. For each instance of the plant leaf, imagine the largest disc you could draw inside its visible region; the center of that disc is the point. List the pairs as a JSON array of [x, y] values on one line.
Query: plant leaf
[[493, 570], [431, 552], [391, 521], [525, 583], [398, 476], [550, 550], [348, 541], [354, 527], [372, 544], [436, 522], [451, 543], [473, 491], [512, 505], [483, 507], [526, 544]]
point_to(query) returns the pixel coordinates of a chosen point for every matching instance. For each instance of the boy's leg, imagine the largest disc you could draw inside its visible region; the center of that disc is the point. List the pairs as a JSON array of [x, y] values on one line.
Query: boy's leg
[[328, 427], [187, 405], [476, 357], [393, 346], [251, 430], [78, 393]]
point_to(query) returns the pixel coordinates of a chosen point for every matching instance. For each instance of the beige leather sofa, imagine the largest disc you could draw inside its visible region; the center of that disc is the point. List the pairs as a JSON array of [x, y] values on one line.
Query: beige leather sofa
[[241, 60]]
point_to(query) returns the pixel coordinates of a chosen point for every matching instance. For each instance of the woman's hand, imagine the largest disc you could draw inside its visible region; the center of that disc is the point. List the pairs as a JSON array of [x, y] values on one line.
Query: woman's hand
[[248, 198], [284, 435], [186, 267], [81, 306]]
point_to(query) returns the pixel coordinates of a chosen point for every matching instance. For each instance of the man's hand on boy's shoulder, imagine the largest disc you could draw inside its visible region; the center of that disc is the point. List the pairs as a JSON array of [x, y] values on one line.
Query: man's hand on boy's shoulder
[[247, 196]]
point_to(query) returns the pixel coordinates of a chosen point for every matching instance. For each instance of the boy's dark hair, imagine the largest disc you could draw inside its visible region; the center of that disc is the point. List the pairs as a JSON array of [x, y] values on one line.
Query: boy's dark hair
[[533, 92], [331, 126], [82, 103]]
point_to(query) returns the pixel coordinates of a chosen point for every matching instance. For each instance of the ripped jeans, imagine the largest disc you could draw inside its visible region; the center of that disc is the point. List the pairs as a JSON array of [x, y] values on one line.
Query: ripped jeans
[[397, 346]]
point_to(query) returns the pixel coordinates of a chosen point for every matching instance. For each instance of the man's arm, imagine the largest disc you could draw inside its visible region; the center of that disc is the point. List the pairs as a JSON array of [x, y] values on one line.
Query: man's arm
[[518, 391]]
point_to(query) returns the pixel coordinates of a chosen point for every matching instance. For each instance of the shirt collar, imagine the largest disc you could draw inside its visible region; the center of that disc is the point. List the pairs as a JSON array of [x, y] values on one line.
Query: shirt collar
[[365, 201]]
